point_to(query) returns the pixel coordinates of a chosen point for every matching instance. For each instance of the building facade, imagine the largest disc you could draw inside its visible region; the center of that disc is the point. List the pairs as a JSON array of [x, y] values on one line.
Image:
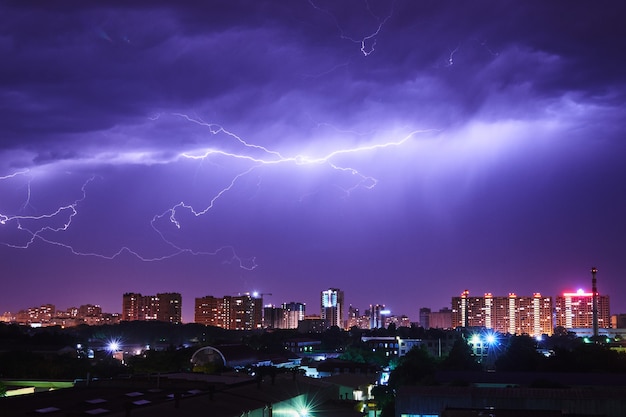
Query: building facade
[[286, 316], [574, 310], [295, 313], [377, 316], [511, 314], [242, 312], [425, 317], [441, 319], [332, 307], [165, 307]]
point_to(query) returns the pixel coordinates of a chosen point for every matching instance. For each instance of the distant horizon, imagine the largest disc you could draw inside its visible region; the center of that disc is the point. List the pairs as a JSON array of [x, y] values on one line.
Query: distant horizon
[[413, 317]]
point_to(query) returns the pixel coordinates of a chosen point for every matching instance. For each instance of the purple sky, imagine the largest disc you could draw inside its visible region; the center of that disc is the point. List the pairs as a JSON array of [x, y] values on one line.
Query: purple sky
[[401, 151]]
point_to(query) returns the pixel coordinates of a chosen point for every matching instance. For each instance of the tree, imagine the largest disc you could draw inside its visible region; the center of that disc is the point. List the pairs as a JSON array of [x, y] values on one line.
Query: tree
[[417, 367], [460, 358], [521, 355]]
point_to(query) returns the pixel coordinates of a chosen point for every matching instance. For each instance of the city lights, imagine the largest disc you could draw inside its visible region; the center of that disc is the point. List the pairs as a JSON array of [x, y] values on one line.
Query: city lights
[[113, 345], [299, 406]]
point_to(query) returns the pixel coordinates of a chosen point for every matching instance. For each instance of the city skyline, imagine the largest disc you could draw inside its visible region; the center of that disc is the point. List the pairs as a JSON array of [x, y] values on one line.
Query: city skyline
[[133, 303], [400, 151]]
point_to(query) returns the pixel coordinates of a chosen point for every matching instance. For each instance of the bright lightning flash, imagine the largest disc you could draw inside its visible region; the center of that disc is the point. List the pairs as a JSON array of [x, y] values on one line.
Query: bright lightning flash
[[49, 227]]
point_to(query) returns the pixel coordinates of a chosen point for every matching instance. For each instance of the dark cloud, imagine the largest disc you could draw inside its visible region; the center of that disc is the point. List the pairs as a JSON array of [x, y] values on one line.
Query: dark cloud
[[106, 109]]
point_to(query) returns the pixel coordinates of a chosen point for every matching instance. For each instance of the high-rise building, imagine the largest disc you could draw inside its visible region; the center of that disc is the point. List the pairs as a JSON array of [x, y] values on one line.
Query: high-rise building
[[332, 307], [162, 307], [355, 319], [295, 313], [285, 317], [210, 311], [170, 307], [242, 312], [512, 314], [132, 307], [441, 319], [274, 317], [425, 317], [574, 310], [377, 313], [466, 310], [618, 321]]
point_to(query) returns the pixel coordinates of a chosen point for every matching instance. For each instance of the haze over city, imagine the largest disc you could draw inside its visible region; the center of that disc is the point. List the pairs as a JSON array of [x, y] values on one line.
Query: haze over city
[[401, 151]]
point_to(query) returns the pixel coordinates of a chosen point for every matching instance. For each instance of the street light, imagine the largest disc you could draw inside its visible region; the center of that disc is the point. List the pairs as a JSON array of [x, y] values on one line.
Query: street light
[[113, 346]]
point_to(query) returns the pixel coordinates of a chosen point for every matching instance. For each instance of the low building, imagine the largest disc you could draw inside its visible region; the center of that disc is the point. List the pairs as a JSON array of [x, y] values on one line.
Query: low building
[[441, 400], [190, 395]]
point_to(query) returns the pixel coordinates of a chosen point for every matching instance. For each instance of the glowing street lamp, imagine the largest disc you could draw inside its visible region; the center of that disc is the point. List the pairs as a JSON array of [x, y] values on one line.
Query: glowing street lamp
[[113, 346]]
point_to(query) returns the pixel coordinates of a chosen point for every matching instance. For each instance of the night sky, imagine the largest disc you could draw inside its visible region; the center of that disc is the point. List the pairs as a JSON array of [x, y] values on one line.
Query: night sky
[[400, 151]]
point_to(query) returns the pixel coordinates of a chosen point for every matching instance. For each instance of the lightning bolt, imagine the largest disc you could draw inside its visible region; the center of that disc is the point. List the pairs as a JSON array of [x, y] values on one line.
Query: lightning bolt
[[481, 44], [15, 174], [65, 213], [46, 227], [274, 158], [367, 43]]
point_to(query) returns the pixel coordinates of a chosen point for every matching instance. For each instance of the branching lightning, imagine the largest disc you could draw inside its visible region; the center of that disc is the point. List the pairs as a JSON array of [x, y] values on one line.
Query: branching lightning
[[48, 228], [367, 43]]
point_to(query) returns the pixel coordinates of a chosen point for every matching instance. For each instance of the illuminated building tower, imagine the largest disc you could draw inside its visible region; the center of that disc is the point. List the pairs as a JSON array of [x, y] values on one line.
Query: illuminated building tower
[[247, 312], [274, 317], [459, 308], [332, 307], [170, 307], [533, 315], [574, 310], [488, 310], [132, 306], [377, 313], [242, 312], [353, 317], [543, 309], [468, 311], [295, 313], [511, 314], [162, 307], [151, 307], [209, 311]]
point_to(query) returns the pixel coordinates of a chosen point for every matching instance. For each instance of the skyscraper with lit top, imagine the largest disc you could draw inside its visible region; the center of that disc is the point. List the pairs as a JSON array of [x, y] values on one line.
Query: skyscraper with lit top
[[574, 310], [332, 307], [511, 314]]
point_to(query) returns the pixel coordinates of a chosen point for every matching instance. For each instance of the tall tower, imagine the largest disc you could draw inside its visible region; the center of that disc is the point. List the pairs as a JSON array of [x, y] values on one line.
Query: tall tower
[[377, 316], [332, 307], [594, 301], [170, 307]]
